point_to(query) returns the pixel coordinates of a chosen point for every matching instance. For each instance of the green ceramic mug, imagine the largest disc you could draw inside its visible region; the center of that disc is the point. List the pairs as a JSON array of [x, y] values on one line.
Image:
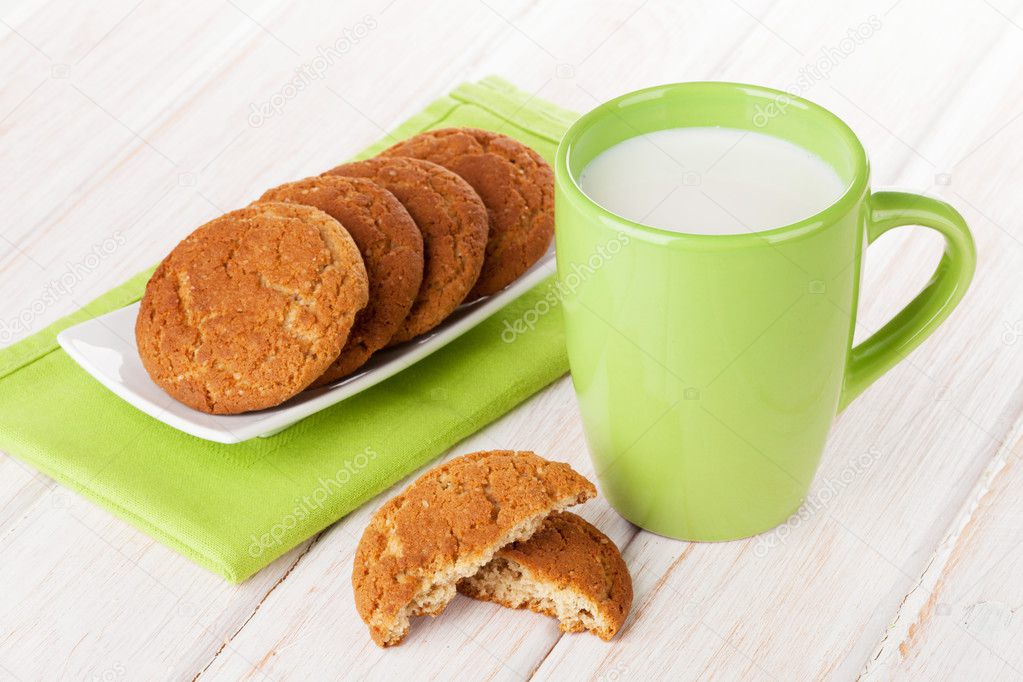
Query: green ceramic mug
[[709, 368]]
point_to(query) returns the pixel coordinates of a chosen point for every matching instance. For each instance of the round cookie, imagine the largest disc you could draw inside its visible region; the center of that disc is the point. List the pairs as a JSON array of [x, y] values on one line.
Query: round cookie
[[453, 222], [515, 184], [251, 307], [446, 525], [391, 247], [567, 569]]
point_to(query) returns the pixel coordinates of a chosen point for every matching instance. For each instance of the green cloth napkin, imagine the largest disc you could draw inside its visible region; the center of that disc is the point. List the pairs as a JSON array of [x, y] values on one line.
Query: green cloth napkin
[[235, 508]]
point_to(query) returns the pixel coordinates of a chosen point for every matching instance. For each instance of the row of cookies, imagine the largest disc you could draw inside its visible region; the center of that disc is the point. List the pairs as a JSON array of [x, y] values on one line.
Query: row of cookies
[[492, 526], [301, 287]]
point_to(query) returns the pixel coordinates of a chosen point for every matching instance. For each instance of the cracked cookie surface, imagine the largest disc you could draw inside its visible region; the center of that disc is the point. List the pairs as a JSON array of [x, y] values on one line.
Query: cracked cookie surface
[[453, 223], [446, 525], [516, 185], [391, 247], [567, 569], [251, 307]]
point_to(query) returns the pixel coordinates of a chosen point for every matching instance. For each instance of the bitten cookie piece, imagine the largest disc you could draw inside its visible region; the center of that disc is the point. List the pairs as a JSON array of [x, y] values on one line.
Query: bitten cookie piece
[[391, 246], [448, 524], [516, 185], [453, 222], [251, 307], [567, 569]]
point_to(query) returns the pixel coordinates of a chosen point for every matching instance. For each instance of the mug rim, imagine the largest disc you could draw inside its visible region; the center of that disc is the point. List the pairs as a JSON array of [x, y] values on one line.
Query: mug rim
[[850, 196]]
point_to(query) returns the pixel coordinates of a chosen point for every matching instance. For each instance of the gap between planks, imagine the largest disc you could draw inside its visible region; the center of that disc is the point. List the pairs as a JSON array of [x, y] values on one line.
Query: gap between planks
[[259, 604], [918, 604]]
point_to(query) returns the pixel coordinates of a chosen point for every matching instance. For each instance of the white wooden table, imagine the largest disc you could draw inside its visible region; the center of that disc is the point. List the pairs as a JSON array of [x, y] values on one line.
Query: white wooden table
[[133, 121]]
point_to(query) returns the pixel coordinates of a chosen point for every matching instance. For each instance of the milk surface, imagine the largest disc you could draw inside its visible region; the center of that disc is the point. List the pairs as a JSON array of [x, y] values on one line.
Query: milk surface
[[705, 180]]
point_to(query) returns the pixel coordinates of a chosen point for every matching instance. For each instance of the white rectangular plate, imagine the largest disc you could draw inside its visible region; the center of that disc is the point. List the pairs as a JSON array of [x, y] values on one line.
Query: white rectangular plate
[[105, 348]]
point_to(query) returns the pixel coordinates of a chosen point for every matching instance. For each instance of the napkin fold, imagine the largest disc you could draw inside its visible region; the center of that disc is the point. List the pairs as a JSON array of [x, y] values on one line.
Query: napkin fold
[[235, 508]]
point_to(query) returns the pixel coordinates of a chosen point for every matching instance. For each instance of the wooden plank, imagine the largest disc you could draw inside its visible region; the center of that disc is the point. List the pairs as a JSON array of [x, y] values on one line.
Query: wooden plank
[[961, 618], [88, 596], [20, 488]]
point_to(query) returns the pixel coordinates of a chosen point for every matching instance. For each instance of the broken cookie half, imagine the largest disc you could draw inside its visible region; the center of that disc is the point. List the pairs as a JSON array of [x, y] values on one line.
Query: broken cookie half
[[567, 569], [448, 524]]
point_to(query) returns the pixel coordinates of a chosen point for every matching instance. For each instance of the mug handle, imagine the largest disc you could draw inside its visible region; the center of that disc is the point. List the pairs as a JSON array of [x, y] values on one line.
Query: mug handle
[[914, 323]]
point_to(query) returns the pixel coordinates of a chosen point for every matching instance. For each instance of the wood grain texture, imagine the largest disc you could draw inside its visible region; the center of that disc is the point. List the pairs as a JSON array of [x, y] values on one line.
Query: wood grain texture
[[124, 128]]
